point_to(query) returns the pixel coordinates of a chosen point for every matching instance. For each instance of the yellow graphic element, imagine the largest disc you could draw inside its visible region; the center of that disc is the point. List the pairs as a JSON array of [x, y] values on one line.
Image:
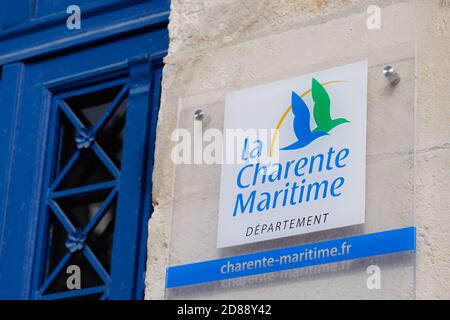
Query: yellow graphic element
[[288, 109]]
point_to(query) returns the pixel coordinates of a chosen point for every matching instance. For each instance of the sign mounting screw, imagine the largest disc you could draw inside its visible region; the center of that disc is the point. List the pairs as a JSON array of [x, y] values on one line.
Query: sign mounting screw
[[392, 75], [199, 115]]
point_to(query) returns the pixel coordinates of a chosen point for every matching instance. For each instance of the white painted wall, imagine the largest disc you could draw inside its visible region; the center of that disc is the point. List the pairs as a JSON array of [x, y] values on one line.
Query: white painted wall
[[222, 45]]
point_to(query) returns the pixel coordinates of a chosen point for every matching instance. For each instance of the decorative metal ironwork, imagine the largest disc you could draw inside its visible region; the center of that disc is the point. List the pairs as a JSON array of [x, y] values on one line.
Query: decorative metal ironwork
[[84, 138], [82, 196], [75, 241]]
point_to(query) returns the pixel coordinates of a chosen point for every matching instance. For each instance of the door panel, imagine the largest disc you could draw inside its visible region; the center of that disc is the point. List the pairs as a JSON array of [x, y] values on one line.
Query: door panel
[[80, 185]]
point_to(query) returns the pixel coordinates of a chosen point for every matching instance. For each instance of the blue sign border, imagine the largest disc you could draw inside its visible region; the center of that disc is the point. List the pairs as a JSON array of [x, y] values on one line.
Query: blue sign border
[[350, 248]]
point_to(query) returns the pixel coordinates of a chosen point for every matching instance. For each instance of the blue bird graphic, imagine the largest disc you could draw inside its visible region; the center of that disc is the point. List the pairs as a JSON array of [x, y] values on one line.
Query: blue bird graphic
[[302, 127]]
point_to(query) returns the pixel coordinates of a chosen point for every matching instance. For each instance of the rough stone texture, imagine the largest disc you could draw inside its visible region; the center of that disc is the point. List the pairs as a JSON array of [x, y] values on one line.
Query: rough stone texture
[[223, 45], [433, 153], [433, 221]]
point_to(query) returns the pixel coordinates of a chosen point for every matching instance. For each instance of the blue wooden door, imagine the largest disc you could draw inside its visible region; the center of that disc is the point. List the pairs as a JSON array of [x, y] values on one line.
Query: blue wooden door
[[76, 194]]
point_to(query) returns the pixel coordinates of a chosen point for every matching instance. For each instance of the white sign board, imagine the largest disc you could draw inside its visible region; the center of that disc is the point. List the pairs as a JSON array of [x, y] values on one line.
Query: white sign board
[[313, 174]]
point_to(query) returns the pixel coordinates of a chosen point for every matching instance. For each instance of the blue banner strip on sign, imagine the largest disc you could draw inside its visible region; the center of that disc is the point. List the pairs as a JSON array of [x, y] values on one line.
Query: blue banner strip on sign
[[350, 248]]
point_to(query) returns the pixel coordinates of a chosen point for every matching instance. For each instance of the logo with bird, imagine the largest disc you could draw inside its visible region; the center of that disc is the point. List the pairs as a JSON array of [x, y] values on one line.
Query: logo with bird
[[302, 116]]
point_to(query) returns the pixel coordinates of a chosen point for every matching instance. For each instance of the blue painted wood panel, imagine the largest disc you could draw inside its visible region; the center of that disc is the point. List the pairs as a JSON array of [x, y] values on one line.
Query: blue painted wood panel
[[32, 75], [43, 8], [13, 13], [48, 7]]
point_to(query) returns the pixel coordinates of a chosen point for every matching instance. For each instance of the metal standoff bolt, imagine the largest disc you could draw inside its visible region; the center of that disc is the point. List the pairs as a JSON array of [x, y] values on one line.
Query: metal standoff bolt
[[199, 115], [392, 75]]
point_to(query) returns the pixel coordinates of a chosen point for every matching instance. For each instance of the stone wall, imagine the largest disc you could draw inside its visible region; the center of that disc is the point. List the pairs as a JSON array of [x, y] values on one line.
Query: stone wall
[[222, 45]]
